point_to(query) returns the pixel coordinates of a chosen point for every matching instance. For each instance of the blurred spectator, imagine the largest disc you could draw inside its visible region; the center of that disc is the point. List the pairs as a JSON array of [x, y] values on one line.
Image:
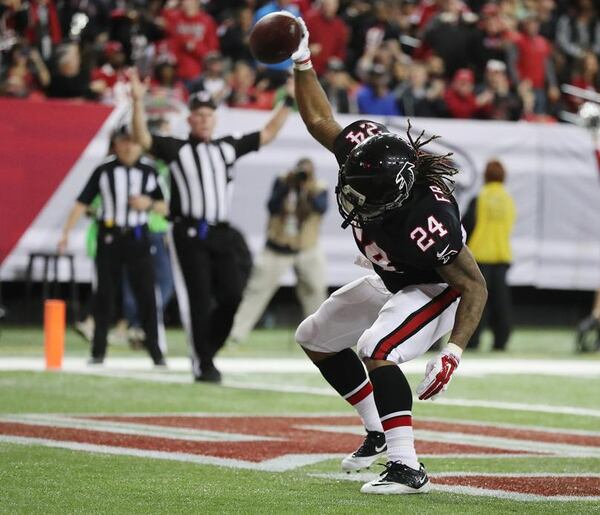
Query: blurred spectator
[[43, 26], [338, 86], [375, 96], [191, 34], [461, 99], [490, 219], [449, 34], [579, 33], [234, 33], [112, 75], [245, 93], [492, 39], [329, 34], [528, 114], [296, 207], [586, 77], [25, 73], [69, 79], [531, 57], [505, 103], [417, 96], [165, 88], [212, 78]]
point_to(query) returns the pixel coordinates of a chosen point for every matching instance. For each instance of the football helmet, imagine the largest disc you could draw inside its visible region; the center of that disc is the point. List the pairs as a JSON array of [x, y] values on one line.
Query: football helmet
[[378, 176]]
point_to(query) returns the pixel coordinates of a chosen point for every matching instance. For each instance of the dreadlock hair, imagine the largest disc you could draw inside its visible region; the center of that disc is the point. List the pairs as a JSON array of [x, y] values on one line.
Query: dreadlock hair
[[432, 168]]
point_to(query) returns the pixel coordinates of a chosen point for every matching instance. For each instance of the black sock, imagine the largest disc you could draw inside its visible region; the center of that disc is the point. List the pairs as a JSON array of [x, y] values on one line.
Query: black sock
[[344, 372], [394, 403], [391, 391]]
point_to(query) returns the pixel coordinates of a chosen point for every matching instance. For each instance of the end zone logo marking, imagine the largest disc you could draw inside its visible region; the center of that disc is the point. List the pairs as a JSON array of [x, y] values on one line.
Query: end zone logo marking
[[269, 443]]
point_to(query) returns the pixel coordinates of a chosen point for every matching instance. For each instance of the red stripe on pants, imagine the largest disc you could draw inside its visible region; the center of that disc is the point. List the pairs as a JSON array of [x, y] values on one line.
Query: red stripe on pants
[[414, 323]]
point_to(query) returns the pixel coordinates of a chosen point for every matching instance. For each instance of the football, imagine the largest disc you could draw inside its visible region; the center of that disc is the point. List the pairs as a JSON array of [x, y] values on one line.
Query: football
[[275, 37]]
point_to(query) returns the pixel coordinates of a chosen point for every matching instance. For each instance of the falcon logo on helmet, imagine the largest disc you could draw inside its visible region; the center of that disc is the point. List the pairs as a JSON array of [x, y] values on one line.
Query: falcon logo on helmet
[[378, 176]]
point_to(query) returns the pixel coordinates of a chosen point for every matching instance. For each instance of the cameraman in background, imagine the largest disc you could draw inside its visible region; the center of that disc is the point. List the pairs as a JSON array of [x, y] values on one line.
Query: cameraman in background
[[296, 206]]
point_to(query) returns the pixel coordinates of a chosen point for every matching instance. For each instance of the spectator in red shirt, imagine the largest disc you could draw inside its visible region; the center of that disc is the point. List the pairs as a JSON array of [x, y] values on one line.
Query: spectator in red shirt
[[26, 72], [330, 34], [587, 76], [43, 27], [531, 57], [244, 93], [191, 35], [112, 72], [460, 97]]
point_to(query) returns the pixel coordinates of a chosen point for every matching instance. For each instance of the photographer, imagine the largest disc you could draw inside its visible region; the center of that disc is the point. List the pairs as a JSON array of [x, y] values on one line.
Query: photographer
[[296, 206]]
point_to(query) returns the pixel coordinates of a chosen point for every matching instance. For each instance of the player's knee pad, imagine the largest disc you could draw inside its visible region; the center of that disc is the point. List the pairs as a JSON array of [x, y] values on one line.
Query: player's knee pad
[[306, 332]]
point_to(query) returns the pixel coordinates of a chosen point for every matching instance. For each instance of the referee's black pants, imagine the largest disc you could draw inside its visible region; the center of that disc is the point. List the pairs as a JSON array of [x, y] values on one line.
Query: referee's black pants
[[118, 248], [209, 287], [497, 312]]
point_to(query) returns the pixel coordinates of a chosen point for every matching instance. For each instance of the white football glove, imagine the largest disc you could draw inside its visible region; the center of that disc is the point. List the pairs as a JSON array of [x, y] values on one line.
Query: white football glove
[[302, 54], [438, 372]]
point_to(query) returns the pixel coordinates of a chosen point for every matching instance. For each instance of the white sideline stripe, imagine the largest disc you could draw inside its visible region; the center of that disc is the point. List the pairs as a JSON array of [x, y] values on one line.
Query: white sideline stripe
[[469, 367], [470, 490], [548, 448], [502, 425], [316, 415], [125, 373], [156, 431], [279, 464]]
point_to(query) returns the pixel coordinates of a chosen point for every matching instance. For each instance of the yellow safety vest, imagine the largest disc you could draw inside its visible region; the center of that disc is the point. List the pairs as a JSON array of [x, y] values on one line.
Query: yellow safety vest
[[494, 220]]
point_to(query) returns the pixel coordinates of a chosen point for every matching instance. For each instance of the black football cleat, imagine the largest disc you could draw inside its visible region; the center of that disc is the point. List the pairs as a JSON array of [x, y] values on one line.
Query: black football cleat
[[398, 479], [372, 448]]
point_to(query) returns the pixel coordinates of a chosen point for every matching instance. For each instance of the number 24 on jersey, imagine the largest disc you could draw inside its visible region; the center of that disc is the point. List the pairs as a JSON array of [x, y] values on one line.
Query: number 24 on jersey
[[423, 237]]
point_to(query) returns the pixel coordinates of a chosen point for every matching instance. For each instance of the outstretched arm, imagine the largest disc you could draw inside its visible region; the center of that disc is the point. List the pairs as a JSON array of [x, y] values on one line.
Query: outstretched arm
[[275, 123], [312, 101], [141, 134]]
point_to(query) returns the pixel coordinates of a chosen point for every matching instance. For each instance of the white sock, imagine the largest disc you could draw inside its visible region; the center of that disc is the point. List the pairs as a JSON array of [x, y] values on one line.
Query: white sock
[[363, 402], [400, 439]]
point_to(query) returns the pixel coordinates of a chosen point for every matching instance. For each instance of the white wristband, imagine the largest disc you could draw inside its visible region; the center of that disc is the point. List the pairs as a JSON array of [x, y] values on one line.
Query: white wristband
[[303, 65], [452, 348]]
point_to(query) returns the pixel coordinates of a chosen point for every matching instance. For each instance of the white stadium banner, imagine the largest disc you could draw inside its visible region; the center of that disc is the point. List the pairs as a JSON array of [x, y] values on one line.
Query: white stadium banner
[[551, 172]]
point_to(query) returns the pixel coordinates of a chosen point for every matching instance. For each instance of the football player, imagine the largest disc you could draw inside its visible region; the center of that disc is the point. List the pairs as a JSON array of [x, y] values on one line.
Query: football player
[[398, 201]]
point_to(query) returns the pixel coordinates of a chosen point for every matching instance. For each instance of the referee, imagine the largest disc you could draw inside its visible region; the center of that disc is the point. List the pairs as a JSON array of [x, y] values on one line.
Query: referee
[[204, 260], [128, 186]]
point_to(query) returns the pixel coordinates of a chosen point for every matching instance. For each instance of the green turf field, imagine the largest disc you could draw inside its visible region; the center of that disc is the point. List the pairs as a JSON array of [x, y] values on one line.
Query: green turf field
[[165, 445]]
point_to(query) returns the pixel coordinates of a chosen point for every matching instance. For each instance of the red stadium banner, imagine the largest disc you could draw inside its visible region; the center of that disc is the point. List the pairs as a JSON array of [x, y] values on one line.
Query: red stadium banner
[[39, 144]]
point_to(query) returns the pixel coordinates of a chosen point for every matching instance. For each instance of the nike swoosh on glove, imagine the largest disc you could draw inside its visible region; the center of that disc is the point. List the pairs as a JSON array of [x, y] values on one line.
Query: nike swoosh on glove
[[302, 53], [438, 375]]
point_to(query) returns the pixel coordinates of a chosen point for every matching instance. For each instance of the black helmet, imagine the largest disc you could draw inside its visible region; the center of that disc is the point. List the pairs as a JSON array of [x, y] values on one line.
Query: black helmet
[[377, 176]]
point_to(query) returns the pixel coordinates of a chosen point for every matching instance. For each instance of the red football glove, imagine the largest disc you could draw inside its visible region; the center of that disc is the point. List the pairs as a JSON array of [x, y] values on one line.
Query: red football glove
[[438, 372]]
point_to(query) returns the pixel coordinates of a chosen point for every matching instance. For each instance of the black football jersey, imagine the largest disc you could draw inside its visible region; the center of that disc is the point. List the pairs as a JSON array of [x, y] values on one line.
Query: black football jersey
[[411, 242]]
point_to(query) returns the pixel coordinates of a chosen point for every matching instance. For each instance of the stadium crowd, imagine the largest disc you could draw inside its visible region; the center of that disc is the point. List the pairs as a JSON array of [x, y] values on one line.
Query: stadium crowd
[[501, 60]]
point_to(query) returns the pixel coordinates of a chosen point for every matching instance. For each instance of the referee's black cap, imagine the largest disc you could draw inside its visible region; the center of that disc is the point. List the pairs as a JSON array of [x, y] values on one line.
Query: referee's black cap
[[121, 131], [201, 99]]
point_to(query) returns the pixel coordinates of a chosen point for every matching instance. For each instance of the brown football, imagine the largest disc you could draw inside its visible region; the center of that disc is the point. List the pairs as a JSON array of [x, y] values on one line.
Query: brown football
[[274, 38]]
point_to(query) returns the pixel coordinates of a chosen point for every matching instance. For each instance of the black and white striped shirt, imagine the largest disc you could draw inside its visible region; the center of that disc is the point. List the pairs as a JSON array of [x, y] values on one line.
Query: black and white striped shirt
[[116, 183], [201, 173]]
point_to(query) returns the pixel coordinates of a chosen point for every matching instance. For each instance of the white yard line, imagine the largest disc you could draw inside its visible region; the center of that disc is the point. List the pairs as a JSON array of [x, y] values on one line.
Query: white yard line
[[141, 369], [468, 367], [279, 464], [155, 431], [469, 490], [492, 442]]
